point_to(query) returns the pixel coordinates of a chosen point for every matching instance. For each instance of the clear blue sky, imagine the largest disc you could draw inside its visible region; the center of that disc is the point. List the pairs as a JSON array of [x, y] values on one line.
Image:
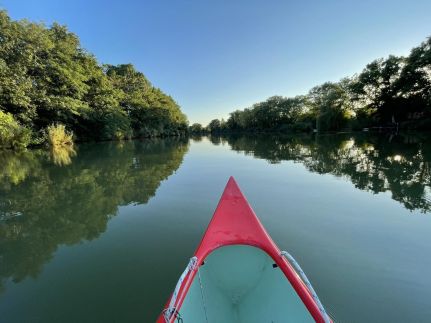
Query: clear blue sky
[[219, 55]]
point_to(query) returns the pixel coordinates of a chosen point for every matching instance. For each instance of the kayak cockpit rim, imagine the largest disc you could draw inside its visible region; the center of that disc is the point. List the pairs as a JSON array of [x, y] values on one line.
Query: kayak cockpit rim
[[283, 260]]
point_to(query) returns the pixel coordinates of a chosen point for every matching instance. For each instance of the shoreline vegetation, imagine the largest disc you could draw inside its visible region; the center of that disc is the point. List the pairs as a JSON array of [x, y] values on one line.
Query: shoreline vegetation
[[47, 78], [54, 92], [390, 94]]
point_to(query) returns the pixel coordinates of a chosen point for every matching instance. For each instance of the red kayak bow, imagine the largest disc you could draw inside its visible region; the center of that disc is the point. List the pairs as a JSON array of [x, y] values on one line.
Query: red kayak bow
[[235, 223]]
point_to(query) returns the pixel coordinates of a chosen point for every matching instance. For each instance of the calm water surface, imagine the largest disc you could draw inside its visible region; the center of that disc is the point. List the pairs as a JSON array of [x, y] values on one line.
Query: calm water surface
[[102, 233]]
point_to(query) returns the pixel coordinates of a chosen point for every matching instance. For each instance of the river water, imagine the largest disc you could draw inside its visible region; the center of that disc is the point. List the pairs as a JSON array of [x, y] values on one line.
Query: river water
[[101, 232]]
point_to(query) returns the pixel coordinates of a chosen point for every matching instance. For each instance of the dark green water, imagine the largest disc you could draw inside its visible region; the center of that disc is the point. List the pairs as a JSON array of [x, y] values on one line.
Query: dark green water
[[102, 234]]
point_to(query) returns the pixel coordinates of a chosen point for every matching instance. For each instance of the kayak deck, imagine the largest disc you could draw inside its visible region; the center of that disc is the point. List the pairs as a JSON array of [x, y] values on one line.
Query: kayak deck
[[239, 283], [238, 274]]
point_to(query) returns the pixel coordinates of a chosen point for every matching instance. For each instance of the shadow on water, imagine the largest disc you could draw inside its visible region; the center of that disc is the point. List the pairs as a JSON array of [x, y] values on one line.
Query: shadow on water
[[51, 198], [398, 164]]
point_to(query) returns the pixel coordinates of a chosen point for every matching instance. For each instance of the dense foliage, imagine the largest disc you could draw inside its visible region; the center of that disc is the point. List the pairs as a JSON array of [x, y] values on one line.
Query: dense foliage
[[47, 77], [12, 134], [394, 92], [197, 129], [59, 136]]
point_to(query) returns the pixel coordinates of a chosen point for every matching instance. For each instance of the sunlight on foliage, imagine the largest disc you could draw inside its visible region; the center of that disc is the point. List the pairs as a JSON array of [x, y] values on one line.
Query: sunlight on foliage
[[12, 134], [59, 136], [46, 76]]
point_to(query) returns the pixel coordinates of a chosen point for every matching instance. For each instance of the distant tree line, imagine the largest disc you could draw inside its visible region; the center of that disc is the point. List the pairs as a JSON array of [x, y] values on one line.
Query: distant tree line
[[47, 77], [394, 92]]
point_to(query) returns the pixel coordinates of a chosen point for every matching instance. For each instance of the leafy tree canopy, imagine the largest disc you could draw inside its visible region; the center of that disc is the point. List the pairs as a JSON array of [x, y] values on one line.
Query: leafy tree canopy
[[47, 77], [391, 92]]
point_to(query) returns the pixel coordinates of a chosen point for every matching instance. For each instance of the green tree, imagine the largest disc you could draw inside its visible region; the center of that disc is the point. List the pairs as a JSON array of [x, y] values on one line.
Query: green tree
[[47, 77], [414, 84], [196, 128], [12, 134], [332, 105], [394, 92], [214, 125], [377, 89], [151, 111]]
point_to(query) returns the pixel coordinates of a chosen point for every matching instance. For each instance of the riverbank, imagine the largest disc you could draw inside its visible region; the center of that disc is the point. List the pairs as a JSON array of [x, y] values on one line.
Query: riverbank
[[48, 78]]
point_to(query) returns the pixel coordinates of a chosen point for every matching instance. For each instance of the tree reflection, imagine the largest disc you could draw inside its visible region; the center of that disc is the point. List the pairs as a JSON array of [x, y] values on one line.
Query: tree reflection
[[61, 155], [398, 164], [43, 206]]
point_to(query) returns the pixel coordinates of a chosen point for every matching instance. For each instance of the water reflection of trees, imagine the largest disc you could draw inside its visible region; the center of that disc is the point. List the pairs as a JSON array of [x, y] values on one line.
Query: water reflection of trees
[[43, 205], [398, 164], [61, 155]]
